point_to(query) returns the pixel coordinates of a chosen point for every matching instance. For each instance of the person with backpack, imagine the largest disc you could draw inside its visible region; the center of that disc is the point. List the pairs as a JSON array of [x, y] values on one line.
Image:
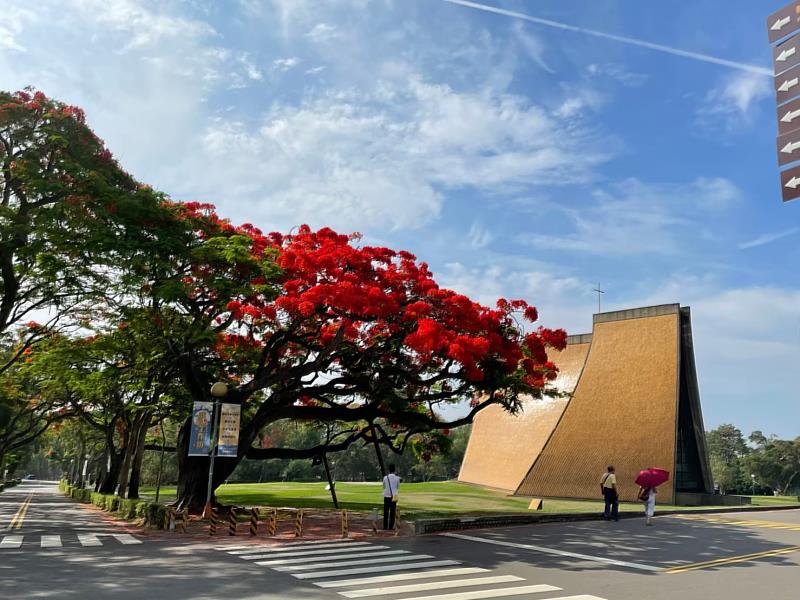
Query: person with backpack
[[608, 487], [391, 489]]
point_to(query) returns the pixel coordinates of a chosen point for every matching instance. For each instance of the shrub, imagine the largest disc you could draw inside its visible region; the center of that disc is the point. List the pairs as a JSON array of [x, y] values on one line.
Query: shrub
[[112, 503]]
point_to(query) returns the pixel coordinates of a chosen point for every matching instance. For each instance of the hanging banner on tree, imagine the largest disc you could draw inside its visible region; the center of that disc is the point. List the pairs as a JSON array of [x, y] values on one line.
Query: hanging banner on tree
[[200, 435], [229, 429]]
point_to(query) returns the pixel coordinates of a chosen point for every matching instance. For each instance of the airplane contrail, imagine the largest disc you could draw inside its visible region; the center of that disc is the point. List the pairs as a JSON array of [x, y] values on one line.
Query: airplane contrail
[[617, 38]]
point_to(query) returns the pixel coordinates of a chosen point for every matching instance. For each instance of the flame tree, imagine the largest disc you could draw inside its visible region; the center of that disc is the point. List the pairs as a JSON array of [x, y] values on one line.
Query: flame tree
[[315, 327]]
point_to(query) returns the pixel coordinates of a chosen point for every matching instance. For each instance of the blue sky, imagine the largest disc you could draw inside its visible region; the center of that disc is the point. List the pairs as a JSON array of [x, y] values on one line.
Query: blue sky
[[518, 159]]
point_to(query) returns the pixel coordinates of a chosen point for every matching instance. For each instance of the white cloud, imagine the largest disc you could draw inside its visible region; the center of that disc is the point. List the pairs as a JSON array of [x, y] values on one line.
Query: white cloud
[[733, 103], [768, 238], [618, 73], [323, 32], [315, 70], [562, 301], [284, 64], [12, 22], [388, 157], [251, 70], [478, 236], [634, 217], [532, 46]]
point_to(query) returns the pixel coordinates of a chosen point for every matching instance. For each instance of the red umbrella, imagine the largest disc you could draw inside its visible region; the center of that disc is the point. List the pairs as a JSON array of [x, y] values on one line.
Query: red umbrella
[[652, 477]]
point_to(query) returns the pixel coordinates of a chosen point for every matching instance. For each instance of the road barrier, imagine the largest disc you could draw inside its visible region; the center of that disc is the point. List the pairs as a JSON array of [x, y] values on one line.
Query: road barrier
[[212, 524], [298, 524], [253, 521], [232, 521], [273, 522], [345, 524]]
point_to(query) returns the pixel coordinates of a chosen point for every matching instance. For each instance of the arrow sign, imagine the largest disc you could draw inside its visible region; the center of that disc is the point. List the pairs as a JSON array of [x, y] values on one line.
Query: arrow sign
[[785, 21], [786, 55], [789, 147], [789, 117], [787, 84], [790, 184], [780, 24]]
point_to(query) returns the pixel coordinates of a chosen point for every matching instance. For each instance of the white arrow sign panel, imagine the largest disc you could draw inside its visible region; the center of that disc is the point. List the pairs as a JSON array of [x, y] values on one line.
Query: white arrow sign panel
[[790, 184], [783, 22], [789, 147], [780, 23], [786, 55], [788, 116]]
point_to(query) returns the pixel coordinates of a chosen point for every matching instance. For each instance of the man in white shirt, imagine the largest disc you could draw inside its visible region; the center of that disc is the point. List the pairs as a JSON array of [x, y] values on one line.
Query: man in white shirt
[[391, 490]]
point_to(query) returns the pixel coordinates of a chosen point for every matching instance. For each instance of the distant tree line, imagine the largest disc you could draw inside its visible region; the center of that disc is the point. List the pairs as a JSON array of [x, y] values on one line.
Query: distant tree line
[[758, 464]]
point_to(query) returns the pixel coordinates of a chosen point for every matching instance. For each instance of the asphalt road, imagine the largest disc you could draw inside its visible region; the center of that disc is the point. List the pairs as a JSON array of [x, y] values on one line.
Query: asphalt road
[[52, 547]]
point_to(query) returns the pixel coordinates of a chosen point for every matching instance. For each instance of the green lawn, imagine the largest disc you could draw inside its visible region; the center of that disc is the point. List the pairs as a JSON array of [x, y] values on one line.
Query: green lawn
[[417, 500]]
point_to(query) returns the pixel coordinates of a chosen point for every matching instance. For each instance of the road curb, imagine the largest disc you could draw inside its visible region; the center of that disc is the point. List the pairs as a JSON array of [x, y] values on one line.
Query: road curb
[[427, 526]]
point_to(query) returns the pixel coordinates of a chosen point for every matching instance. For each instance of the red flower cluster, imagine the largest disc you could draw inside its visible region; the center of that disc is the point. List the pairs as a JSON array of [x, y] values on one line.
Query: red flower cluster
[[331, 286]]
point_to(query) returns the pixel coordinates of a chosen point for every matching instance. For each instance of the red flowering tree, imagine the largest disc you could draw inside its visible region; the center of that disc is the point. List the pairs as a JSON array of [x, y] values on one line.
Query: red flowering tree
[[321, 329]]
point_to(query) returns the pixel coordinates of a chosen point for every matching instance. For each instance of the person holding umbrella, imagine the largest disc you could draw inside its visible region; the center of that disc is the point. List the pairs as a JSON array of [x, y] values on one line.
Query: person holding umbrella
[[648, 480]]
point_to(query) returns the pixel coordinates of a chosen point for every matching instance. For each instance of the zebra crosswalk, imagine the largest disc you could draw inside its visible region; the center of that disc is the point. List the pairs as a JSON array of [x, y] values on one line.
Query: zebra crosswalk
[[17, 542], [358, 569]]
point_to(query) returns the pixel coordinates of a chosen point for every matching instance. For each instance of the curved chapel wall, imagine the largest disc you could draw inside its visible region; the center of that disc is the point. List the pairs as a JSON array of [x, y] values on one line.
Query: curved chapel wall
[[502, 446], [623, 411]]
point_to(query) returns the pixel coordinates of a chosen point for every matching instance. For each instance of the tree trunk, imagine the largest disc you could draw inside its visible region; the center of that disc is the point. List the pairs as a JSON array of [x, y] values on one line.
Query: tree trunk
[[112, 474], [331, 482], [136, 464]]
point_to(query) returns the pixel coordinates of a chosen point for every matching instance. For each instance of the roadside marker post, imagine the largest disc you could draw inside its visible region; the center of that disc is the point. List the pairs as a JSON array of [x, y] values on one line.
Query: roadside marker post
[[273, 522], [345, 530], [232, 521], [375, 521], [169, 519], [298, 524], [184, 520], [212, 525], [253, 521]]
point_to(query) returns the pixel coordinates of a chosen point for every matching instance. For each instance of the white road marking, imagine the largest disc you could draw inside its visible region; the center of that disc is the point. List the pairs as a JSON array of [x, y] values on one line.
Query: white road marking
[[353, 563], [299, 552], [380, 569], [89, 539], [287, 546], [308, 559], [126, 538], [499, 593], [611, 561], [357, 548], [51, 541], [11, 541], [401, 577], [579, 597], [432, 585]]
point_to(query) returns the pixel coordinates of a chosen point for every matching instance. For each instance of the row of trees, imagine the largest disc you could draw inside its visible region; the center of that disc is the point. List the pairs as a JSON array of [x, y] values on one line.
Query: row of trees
[[757, 464], [121, 307]]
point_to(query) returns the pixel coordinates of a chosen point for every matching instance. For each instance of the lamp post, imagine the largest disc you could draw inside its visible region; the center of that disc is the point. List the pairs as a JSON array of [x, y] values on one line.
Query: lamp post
[[753, 477], [219, 390]]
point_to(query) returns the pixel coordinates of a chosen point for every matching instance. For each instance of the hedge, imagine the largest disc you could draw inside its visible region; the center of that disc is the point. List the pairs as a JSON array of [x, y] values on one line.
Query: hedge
[[151, 513]]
